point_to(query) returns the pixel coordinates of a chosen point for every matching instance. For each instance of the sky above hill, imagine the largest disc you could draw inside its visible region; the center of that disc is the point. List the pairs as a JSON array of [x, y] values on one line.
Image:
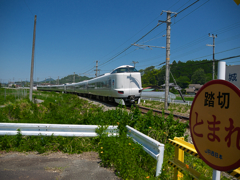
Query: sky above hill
[[71, 35]]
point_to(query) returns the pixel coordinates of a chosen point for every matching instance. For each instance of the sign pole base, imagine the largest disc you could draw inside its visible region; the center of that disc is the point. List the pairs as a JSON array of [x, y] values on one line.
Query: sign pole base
[[216, 175]]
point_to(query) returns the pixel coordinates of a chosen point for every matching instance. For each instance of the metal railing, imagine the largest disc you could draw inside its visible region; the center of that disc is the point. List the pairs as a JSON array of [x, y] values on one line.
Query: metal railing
[[182, 146], [151, 146], [28, 129]]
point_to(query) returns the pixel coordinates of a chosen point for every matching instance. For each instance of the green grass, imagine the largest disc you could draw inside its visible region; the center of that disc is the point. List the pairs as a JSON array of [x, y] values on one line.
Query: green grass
[[121, 153], [174, 108], [186, 98]]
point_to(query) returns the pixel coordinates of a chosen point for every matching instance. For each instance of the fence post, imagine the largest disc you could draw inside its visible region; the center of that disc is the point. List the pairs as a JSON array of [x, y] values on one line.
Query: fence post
[[5, 95], [160, 161], [179, 155]]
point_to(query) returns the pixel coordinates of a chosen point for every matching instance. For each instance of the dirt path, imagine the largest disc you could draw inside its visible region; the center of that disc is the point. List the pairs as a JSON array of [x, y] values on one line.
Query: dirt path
[[53, 166]]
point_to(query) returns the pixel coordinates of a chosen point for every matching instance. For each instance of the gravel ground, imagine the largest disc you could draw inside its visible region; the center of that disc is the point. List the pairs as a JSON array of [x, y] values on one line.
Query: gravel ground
[[53, 166], [105, 106]]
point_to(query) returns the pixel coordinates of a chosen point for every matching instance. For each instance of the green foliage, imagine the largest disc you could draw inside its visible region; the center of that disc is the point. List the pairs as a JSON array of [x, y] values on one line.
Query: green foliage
[[199, 77], [11, 95], [128, 158], [183, 81], [43, 144], [69, 79], [182, 72]]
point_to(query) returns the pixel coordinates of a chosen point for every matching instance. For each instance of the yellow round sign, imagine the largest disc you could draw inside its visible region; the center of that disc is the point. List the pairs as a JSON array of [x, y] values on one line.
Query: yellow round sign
[[215, 124]]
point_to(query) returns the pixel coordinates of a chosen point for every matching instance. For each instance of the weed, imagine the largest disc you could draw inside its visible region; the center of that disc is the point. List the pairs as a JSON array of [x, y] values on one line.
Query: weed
[[120, 152]]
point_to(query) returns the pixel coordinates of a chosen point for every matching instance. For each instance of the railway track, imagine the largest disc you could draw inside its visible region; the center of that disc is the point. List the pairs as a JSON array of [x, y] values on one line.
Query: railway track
[[144, 110]]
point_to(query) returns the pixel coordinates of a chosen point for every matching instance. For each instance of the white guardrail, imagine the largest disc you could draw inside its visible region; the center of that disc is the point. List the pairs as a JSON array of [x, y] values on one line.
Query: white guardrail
[[28, 129], [151, 146]]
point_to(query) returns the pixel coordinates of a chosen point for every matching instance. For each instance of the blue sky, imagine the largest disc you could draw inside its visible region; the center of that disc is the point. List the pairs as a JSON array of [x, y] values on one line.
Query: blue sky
[[72, 34]]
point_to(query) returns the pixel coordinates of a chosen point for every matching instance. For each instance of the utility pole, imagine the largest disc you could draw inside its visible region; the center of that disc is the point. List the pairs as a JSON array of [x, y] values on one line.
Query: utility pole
[[32, 63], [213, 45], [168, 22], [58, 80], [134, 62], [74, 77], [97, 69]]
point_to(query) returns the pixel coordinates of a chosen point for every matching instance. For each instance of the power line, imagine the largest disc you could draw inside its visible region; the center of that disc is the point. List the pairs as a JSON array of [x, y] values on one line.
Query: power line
[[111, 59], [182, 5], [127, 47], [28, 8], [232, 57], [209, 61], [191, 11], [218, 52], [203, 47], [139, 32]]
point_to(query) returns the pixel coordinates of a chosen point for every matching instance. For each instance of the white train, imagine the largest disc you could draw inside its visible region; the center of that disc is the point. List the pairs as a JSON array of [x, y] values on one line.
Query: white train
[[123, 85]]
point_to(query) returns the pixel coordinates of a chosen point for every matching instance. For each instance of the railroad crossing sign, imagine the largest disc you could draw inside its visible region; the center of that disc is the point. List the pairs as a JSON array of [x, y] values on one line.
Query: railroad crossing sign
[[237, 2], [215, 124]]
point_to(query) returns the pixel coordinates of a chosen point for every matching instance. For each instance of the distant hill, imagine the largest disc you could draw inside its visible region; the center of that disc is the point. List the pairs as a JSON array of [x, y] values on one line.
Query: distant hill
[[67, 79], [185, 73], [47, 80]]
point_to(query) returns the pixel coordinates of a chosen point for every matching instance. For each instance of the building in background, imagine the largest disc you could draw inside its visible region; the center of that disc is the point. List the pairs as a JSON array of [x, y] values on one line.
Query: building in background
[[233, 75], [193, 89]]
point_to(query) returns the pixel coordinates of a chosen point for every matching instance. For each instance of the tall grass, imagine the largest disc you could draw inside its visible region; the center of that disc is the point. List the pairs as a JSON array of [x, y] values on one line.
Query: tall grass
[[121, 153]]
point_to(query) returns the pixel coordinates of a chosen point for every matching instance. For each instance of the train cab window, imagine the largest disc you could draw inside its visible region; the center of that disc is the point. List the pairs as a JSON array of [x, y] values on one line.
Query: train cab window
[[123, 70]]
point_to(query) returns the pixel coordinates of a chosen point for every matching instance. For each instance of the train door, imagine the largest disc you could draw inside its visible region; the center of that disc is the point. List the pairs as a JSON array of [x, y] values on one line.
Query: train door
[[113, 84]]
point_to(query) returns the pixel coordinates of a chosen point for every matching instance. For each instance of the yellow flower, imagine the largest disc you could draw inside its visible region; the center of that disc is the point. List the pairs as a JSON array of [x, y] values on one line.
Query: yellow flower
[[147, 177], [129, 143], [101, 151], [164, 132], [101, 147], [118, 123], [180, 175], [150, 127]]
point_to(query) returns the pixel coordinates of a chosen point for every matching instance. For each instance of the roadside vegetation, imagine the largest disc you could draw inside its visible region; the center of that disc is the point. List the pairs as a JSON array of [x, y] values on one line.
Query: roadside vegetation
[[185, 73], [120, 153], [174, 108]]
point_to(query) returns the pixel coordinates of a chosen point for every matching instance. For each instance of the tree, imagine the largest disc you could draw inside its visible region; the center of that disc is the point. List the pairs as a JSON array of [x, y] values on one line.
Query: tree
[[199, 77], [183, 81]]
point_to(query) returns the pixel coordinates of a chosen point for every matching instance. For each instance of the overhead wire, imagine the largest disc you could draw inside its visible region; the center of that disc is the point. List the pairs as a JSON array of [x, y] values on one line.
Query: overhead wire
[[191, 11], [203, 47], [111, 59], [28, 8], [197, 41], [218, 52]]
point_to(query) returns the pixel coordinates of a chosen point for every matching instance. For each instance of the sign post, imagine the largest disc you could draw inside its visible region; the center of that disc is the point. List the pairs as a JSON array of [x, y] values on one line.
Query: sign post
[[215, 125]]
